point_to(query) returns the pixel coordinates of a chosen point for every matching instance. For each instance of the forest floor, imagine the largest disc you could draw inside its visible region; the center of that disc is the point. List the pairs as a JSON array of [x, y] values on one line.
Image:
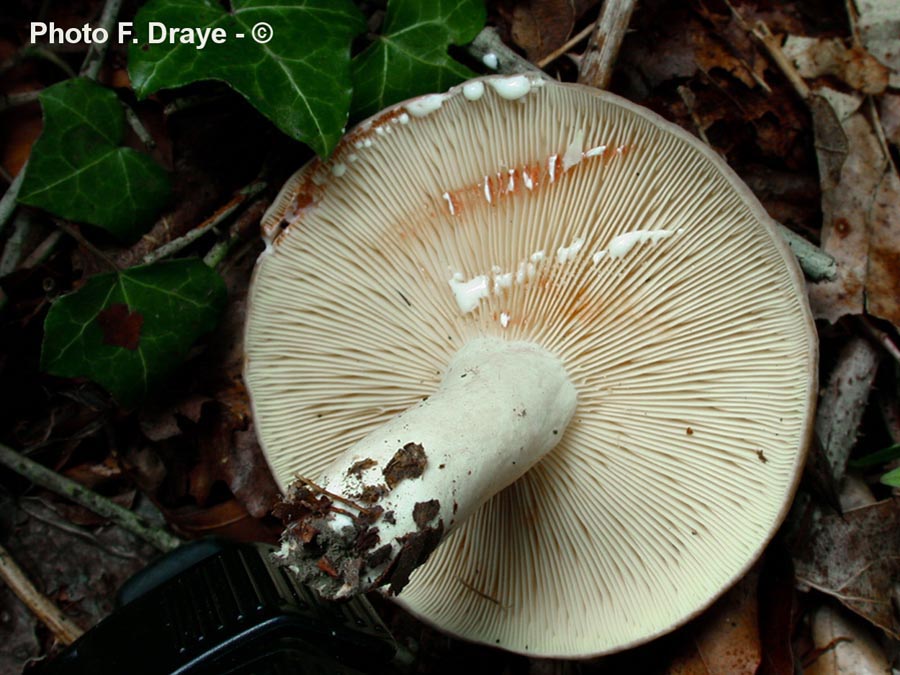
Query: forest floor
[[801, 98]]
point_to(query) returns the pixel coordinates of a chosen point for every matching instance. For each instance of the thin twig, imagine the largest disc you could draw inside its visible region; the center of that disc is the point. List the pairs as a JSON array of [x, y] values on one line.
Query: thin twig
[[555, 54], [815, 263], [41, 475], [8, 202], [690, 101], [236, 233], [43, 250], [62, 627], [881, 337], [38, 52], [12, 251], [215, 219], [8, 101], [138, 127], [508, 62], [188, 102], [597, 63], [51, 519], [90, 68], [762, 33], [333, 497], [77, 236]]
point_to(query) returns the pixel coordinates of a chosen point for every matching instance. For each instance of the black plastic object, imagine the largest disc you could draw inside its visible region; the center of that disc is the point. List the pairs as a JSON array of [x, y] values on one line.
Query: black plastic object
[[225, 609]]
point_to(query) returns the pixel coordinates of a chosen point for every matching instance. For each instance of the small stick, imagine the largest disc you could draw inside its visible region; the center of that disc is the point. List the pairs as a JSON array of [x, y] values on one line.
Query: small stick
[[90, 68], [472, 588], [881, 337], [8, 101], [43, 250], [762, 33], [138, 127], [603, 48], [188, 102], [77, 236], [689, 100], [8, 202], [508, 62], [236, 233], [334, 497], [41, 475], [38, 52], [555, 54], [12, 252], [215, 219], [62, 627], [816, 263]]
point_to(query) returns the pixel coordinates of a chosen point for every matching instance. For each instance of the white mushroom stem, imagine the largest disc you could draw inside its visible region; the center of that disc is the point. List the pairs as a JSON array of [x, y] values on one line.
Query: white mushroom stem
[[383, 506]]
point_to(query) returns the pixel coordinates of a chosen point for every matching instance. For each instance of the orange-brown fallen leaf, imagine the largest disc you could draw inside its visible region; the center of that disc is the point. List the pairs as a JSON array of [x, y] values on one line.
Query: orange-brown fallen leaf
[[726, 638]]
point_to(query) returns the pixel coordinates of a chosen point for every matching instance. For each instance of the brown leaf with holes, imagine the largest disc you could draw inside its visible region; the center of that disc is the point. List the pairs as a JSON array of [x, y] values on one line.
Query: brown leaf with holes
[[726, 638], [855, 558]]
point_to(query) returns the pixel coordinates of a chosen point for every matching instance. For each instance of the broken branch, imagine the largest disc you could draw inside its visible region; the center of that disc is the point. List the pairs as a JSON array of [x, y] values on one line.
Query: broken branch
[[62, 627], [41, 475], [603, 48]]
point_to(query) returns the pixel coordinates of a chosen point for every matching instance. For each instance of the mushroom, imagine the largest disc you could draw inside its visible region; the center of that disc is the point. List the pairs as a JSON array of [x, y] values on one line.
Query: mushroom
[[542, 339]]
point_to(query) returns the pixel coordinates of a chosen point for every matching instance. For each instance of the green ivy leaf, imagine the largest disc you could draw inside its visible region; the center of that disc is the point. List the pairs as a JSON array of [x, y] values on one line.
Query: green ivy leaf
[[299, 78], [129, 330], [78, 169], [878, 458], [891, 478], [410, 56]]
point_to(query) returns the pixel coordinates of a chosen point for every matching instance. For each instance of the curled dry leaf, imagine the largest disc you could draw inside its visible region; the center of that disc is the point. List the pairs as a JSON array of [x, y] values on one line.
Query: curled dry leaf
[[843, 402], [726, 638], [861, 222], [879, 29], [844, 646], [159, 423], [854, 558], [542, 26], [815, 57], [889, 111], [17, 628]]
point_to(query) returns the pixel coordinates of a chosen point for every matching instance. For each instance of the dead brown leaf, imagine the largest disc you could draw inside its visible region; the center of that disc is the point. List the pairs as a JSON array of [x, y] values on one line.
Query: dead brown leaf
[[542, 26], [777, 610], [726, 638], [844, 646], [843, 402], [889, 111], [861, 221], [853, 65], [161, 422], [18, 641], [879, 29], [229, 452], [226, 519], [855, 558], [883, 273]]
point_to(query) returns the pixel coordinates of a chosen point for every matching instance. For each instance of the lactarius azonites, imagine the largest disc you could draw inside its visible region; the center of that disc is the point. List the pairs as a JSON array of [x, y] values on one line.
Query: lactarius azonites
[[546, 327]]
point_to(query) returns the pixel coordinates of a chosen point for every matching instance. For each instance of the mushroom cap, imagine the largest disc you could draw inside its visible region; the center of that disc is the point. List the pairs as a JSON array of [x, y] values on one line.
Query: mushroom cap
[[611, 238]]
